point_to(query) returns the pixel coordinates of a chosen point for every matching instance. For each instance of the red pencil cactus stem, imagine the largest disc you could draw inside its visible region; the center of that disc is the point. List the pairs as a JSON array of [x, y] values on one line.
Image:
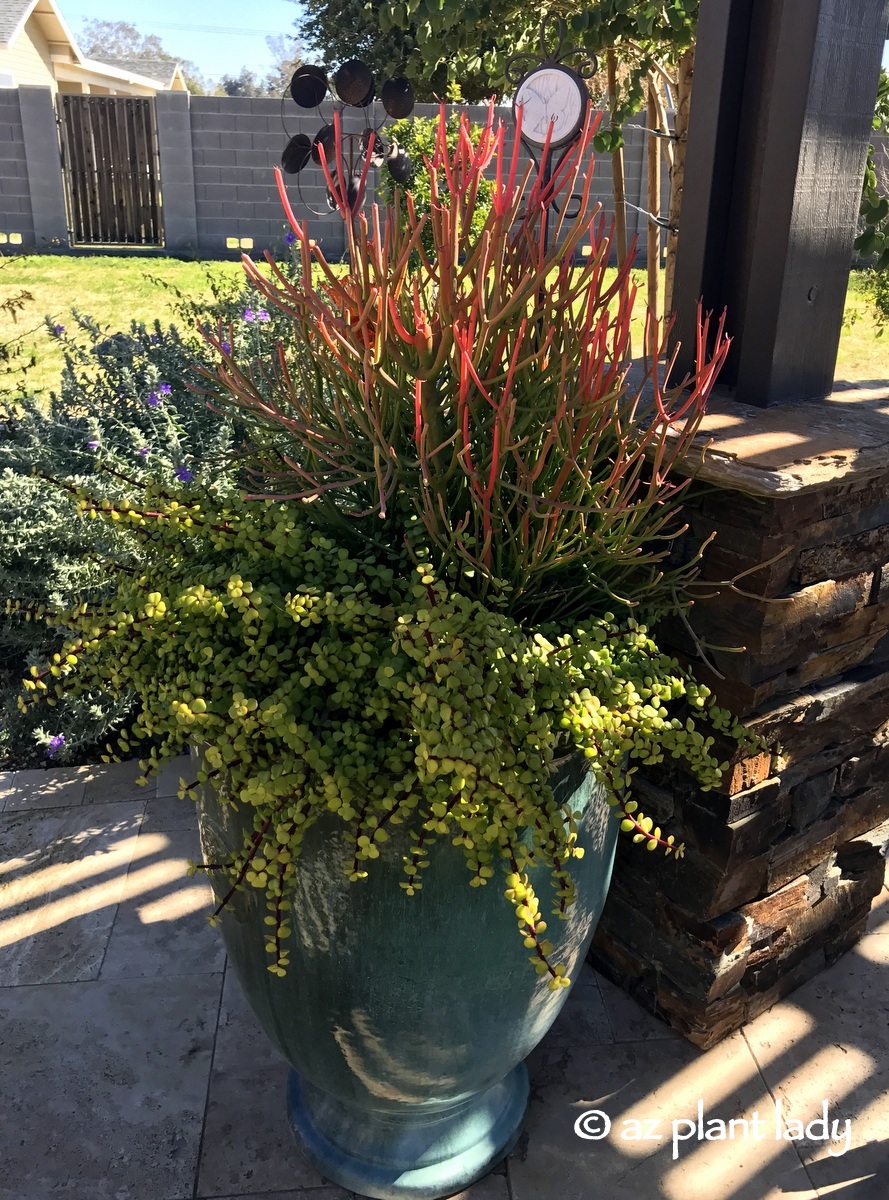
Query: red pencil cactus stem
[[484, 382]]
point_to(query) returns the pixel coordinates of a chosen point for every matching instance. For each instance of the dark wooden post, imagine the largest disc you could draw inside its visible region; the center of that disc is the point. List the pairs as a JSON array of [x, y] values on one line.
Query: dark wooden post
[[780, 115]]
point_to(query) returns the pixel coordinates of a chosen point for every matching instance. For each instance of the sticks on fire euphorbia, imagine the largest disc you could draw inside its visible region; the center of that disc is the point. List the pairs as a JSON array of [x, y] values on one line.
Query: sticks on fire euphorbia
[[480, 393]]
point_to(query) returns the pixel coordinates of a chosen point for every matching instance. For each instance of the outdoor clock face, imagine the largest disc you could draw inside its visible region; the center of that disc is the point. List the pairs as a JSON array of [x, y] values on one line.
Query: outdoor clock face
[[551, 94]]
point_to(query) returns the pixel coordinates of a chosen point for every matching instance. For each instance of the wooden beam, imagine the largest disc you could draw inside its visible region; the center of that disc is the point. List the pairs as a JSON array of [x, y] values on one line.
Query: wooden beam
[[780, 115]]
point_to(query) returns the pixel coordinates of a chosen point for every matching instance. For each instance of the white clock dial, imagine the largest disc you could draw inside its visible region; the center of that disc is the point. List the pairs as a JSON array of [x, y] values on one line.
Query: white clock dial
[[551, 95]]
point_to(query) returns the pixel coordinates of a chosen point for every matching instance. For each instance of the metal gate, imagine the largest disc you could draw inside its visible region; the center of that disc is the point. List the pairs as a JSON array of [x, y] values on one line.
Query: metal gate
[[111, 169]]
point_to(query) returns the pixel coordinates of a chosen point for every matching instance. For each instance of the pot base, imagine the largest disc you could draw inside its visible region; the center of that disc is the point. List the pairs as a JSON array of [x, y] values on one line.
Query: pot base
[[428, 1153]]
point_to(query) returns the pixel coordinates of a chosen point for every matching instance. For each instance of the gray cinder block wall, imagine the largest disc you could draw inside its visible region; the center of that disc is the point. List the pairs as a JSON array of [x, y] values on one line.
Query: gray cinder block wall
[[15, 195], [217, 156]]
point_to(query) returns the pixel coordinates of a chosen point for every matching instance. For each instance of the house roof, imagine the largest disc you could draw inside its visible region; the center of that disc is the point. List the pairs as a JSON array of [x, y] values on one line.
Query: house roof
[[13, 14], [157, 70], [149, 73]]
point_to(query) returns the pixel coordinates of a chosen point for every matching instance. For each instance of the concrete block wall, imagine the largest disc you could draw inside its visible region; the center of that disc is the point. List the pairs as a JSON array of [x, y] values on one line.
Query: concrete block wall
[[217, 156], [237, 141], [15, 196]]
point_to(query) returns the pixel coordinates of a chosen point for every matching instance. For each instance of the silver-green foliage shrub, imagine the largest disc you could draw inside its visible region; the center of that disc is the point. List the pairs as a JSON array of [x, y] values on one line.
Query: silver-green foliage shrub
[[123, 409]]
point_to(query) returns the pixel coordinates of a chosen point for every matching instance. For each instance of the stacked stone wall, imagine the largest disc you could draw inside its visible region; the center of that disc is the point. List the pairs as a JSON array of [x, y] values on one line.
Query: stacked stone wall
[[784, 860]]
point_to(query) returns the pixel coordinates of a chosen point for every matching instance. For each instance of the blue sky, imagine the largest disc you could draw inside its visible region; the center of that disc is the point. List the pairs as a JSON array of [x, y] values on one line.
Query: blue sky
[[219, 36], [225, 35]]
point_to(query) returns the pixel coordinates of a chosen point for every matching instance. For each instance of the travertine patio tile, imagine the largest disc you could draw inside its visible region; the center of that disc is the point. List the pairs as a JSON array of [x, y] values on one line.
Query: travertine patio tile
[[583, 1020], [164, 814], [492, 1188], [629, 1021], [161, 926], [248, 1143], [171, 772], [830, 1041], [103, 1087], [653, 1083], [116, 782], [320, 1193], [62, 874], [878, 921], [7, 787], [37, 788]]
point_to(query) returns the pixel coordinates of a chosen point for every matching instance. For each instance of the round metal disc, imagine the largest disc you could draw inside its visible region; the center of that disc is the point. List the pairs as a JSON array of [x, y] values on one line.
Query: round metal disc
[[308, 87], [398, 97], [399, 165], [296, 154], [326, 137], [378, 154], [354, 83]]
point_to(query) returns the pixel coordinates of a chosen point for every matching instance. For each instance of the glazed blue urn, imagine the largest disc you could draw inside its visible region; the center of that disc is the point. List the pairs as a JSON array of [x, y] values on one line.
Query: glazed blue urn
[[406, 1019]]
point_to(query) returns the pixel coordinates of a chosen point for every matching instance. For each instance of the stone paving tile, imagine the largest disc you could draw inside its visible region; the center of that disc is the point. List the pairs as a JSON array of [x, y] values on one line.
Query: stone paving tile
[[114, 782], [492, 1188], [652, 1083], [320, 1193], [164, 814], [830, 1041], [171, 772], [103, 1086], [63, 874], [161, 926], [583, 1019], [7, 787], [248, 1144], [38, 788], [629, 1021]]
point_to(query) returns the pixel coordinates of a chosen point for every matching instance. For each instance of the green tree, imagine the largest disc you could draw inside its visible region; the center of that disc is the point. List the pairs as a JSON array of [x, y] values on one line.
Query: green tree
[[336, 30], [874, 236], [119, 41], [480, 38], [287, 53]]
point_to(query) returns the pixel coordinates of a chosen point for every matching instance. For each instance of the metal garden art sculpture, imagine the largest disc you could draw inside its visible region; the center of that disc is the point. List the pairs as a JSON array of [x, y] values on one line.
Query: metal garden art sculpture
[[345, 155]]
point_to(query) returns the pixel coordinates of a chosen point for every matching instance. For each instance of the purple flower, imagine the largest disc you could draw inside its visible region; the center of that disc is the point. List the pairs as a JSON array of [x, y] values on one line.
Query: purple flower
[[164, 389], [183, 474], [262, 315], [289, 237], [143, 453], [225, 347], [93, 445], [153, 400], [154, 339], [249, 315], [58, 330], [55, 745]]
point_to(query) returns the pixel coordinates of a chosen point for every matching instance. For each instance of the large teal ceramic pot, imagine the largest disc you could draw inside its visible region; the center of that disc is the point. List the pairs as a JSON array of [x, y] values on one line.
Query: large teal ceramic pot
[[406, 1019]]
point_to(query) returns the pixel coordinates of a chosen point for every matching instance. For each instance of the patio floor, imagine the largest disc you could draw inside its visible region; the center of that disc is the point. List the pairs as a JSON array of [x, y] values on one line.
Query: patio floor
[[132, 1068]]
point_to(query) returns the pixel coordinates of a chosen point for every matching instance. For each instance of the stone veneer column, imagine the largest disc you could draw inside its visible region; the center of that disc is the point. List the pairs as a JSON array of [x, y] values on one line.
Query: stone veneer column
[[177, 172], [784, 860], [44, 162]]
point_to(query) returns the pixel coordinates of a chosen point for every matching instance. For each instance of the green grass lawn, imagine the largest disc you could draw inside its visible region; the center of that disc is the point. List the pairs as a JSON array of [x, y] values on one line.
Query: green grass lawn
[[115, 291], [112, 290]]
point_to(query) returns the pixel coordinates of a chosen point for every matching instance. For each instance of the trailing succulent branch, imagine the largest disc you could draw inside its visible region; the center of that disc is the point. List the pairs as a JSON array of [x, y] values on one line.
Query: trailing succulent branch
[[467, 520], [320, 680]]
